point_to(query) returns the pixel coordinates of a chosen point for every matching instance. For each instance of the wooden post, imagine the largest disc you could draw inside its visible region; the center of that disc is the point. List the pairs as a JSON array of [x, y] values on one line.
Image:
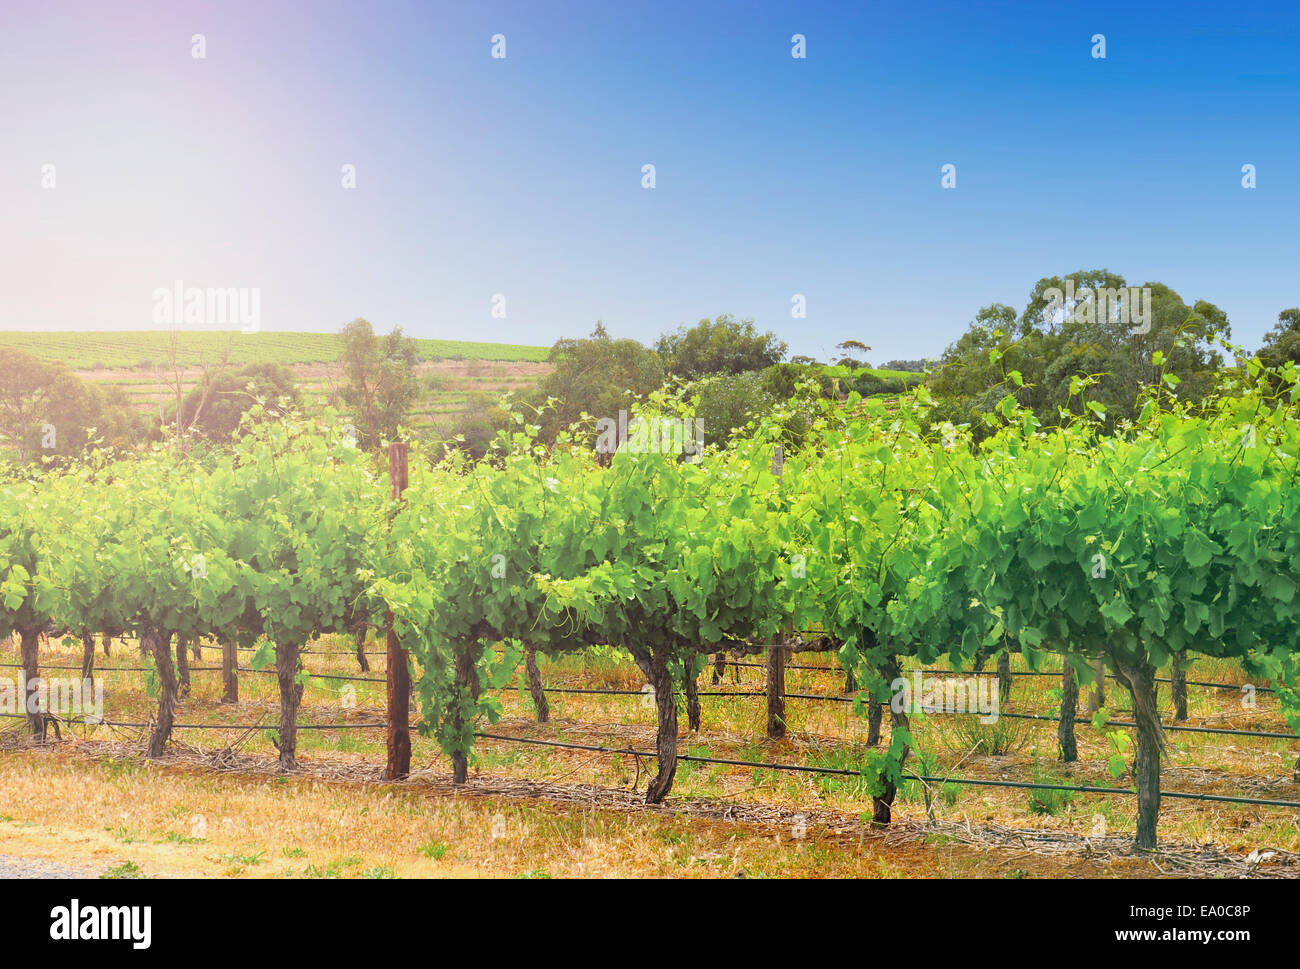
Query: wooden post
[[183, 664], [776, 691], [1098, 697], [399, 674], [1179, 677], [692, 699], [87, 655], [1069, 710], [535, 686], [229, 671], [29, 640]]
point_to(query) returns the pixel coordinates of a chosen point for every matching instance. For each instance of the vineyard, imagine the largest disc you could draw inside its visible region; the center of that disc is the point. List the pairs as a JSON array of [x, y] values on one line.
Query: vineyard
[[780, 589], [149, 368], [86, 350]]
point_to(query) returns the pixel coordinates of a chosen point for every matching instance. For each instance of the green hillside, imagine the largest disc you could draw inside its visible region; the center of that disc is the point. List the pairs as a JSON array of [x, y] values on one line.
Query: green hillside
[[96, 350]]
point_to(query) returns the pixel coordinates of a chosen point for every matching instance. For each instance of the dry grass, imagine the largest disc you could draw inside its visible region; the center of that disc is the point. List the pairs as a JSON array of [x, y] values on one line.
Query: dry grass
[[579, 813], [180, 820]]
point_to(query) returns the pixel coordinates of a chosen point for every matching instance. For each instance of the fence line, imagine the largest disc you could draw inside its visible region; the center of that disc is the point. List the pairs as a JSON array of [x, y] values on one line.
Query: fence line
[[815, 697], [844, 772], [724, 761]]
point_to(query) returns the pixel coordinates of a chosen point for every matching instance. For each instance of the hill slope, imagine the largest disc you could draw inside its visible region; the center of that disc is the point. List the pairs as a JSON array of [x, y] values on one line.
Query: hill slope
[[126, 349], [139, 362]]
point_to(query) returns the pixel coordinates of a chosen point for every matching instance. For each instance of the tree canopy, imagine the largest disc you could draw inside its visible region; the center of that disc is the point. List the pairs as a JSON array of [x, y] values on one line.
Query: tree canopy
[[1282, 342], [598, 376], [214, 409], [722, 345], [1089, 324], [47, 411], [380, 385]]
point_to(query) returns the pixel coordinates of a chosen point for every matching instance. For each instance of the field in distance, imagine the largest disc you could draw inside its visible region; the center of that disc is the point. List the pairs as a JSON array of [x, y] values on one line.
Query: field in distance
[[84, 350], [139, 362]]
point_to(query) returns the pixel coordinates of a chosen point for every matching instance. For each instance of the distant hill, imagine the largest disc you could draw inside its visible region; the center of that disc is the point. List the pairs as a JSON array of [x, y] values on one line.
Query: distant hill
[[139, 363], [130, 349]]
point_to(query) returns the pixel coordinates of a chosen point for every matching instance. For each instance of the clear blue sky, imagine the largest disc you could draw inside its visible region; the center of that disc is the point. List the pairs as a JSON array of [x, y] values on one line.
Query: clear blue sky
[[775, 176]]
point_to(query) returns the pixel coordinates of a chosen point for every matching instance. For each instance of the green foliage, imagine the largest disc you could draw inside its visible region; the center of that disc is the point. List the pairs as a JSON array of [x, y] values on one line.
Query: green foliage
[[434, 849], [1282, 342], [380, 380], [216, 407], [898, 535], [729, 404], [967, 734], [595, 376], [128, 869], [49, 413], [1037, 356], [721, 346], [1049, 802], [473, 428]]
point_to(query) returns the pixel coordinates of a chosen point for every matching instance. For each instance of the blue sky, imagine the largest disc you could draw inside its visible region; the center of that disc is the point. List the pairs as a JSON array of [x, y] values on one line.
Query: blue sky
[[522, 176]]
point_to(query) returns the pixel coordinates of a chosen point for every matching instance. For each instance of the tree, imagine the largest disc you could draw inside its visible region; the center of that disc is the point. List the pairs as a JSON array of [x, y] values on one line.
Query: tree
[[26, 388], [723, 345], [474, 427], [596, 375], [381, 384], [47, 411], [24, 588], [912, 366], [727, 403], [82, 415], [1282, 342], [852, 362], [214, 407], [1070, 330]]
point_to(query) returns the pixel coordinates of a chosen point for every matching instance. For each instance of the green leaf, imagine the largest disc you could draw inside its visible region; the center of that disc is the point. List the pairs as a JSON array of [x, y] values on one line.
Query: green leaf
[[1198, 549], [264, 657]]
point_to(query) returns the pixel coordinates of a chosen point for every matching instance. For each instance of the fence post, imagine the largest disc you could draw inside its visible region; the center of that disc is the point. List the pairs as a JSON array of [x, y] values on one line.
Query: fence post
[[399, 674], [229, 670], [776, 690]]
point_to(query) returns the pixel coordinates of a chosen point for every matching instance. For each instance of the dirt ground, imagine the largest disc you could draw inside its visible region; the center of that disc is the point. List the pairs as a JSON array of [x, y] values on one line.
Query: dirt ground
[[217, 805]]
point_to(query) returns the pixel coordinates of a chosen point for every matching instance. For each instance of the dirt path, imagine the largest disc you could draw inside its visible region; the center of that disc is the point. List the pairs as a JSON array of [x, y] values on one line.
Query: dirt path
[[11, 867]]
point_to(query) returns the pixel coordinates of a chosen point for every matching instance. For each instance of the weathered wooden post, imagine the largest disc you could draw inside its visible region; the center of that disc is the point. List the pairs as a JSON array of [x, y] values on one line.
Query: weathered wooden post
[[1069, 709], [183, 664], [399, 674], [229, 671], [28, 642], [1178, 676], [535, 686], [776, 690], [87, 655]]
